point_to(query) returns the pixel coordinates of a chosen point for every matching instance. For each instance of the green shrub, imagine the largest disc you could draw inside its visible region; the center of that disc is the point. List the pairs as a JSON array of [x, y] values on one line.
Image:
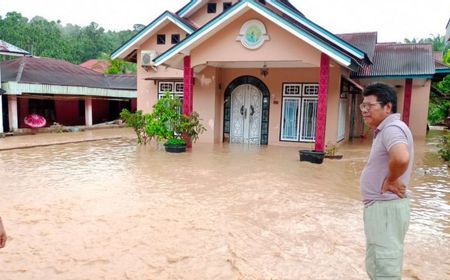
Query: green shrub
[[438, 111], [167, 121], [137, 121]]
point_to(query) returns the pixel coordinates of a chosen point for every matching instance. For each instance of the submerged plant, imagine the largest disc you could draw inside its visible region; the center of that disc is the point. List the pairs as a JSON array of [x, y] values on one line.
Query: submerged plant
[[137, 121], [166, 122]]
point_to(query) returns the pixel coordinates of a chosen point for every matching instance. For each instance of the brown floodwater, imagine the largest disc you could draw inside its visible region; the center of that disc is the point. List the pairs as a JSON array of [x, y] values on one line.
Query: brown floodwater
[[110, 209]]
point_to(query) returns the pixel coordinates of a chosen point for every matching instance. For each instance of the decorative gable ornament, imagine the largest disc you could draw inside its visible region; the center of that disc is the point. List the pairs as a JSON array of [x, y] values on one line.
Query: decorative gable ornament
[[253, 34]]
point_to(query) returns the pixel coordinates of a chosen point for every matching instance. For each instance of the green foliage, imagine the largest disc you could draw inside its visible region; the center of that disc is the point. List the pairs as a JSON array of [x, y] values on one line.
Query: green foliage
[[175, 141], [50, 39], [119, 66], [444, 145], [167, 122], [446, 57], [137, 121], [444, 85], [438, 110]]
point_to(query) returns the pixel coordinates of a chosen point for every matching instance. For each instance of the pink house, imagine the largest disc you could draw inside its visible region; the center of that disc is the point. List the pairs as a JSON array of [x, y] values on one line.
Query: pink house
[[260, 72]]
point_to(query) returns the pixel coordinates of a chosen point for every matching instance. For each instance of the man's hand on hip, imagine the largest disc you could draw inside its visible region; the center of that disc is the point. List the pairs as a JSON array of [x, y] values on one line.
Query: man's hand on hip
[[395, 186]]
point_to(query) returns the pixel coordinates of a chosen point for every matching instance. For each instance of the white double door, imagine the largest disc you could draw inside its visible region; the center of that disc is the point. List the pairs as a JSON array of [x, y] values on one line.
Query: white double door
[[246, 113]]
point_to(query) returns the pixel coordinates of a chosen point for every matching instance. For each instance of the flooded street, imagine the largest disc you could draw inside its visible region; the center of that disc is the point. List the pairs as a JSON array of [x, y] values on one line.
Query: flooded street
[[110, 209]]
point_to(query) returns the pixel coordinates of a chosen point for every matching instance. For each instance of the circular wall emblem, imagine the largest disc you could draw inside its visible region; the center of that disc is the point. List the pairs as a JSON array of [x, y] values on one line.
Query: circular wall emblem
[[253, 34]]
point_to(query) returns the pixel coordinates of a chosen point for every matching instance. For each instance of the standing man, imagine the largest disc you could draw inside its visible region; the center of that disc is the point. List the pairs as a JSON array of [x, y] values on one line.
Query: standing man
[[2, 234], [384, 181]]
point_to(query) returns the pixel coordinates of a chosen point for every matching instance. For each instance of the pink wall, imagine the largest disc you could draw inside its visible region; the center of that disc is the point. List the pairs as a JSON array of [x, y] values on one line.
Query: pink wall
[[282, 46], [200, 17], [147, 89]]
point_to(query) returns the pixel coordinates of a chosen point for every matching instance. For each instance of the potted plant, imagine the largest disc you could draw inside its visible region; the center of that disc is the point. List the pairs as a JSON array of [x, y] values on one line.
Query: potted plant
[[167, 123]]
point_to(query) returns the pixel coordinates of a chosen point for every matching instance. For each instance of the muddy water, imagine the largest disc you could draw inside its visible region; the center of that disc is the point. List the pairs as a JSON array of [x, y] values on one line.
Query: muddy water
[[112, 210]]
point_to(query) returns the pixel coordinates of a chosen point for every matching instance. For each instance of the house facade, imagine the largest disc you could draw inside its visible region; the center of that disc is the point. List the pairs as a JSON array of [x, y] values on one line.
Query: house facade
[[260, 72]]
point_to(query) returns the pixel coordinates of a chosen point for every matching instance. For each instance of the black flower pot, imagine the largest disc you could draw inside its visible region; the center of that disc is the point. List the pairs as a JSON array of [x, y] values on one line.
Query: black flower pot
[[311, 156], [175, 148]]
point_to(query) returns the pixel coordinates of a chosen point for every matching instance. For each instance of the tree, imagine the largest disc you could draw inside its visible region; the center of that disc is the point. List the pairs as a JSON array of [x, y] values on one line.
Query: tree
[[437, 42]]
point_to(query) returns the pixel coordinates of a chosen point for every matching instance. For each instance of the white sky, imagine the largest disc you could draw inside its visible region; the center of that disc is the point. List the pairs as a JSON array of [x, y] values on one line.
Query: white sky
[[393, 19]]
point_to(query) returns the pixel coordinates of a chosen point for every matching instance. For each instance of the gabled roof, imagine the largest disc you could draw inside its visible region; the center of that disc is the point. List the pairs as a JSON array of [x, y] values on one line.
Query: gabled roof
[[8, 49], [364, 41], [49, 71], [319, 38], [193, 5], [393, 60], [135, 41]]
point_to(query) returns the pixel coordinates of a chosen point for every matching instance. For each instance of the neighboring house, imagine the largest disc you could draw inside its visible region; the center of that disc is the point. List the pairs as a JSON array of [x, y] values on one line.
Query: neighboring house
[[62, 92], [260, 72], [8, 50], [97, 65]]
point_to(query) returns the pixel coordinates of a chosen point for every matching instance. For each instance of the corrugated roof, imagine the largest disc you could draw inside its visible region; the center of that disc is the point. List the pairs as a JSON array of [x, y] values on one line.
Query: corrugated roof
[[39, 70], [364, 41], [392, 59], [8, 49]]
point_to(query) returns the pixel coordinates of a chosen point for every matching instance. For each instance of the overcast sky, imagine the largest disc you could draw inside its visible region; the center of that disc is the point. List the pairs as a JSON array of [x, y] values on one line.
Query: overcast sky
[[393, 19]]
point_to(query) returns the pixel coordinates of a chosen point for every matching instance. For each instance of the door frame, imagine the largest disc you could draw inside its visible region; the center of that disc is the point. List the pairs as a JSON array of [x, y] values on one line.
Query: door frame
[[265, 106]]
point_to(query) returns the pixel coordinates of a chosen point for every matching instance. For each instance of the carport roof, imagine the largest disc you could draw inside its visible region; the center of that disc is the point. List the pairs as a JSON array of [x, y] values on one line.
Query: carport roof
[[49, 71]]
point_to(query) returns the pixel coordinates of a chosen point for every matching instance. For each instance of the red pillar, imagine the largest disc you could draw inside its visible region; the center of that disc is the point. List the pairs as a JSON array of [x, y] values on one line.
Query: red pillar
[[188, 91], [407, 101], [322, 103]]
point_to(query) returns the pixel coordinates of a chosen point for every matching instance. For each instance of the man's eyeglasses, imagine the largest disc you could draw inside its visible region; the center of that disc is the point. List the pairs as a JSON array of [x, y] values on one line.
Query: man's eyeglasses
[[368, 106]]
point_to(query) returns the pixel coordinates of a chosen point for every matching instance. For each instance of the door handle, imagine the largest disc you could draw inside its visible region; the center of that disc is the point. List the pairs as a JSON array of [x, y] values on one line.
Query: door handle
[[242, 110], [252, 110]]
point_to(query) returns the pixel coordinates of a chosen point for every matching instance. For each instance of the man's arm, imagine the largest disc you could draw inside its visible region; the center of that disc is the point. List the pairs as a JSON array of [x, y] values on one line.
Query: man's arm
[[398, 163], [2, 234]]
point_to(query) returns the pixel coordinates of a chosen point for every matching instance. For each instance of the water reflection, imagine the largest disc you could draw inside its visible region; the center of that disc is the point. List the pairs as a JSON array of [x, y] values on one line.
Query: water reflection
[[111, 209]]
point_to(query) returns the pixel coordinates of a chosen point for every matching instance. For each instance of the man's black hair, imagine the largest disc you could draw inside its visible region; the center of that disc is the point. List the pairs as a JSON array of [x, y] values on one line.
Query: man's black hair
[[384, 94]]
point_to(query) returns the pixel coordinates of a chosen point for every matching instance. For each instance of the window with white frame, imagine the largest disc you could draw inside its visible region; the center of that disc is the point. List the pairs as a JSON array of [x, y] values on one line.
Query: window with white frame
[[299, 113], [175, 88]]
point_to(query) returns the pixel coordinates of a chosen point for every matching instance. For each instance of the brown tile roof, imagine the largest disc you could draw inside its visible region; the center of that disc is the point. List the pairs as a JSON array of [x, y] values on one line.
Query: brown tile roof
[[40, 70], [393, 59], [97, 65], [364, 41]]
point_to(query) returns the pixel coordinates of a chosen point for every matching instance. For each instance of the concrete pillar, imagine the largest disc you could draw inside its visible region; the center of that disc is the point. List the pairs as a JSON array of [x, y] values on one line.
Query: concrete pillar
[[1, 114], [12, 113], [407, 101], [88, 111], [322, 103]]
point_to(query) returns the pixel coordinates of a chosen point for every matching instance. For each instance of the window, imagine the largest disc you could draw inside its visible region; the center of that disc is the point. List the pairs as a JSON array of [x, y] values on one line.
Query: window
[[299, 112], [212, 8], [161, 39], [175, 38], [226, 5], [175, 88]]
